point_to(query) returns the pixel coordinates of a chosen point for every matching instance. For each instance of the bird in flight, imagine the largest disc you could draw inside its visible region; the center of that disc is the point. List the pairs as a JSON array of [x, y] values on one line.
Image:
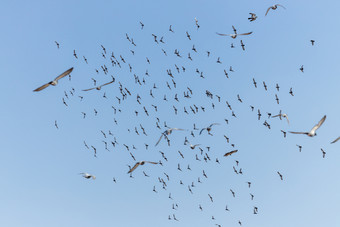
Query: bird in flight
[[234, 35], [252, 17], [281, 115], [274, 7], [167, 132], [230, 153], [55, 81], [88, 176], [140, 163], [208, 128], [99, 87], [312, 132]]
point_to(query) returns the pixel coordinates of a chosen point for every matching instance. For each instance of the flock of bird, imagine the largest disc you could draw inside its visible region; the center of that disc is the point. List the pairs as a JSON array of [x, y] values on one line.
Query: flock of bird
[[143, 83]]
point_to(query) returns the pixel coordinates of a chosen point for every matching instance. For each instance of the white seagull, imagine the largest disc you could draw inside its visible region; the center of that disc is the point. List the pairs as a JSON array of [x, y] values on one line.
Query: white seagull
[[274, 7], [281, 115], [55, 81], [312, 132], [88, 176], [233, 35]]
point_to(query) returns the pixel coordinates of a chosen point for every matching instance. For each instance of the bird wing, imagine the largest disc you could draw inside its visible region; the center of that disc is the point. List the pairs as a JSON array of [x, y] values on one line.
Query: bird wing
[[230, 153], [319, 124], [89, 89], [134, 167], [276, 115], [299, 132], [213, 124], [234, 29], [152, 162], [159, 139], [177, 129], [202, 130], [42, 87], [268, 10], [107, 83], [64, 74], [223, 34], [287, 119], [248, 33], [336, 140], [281, 6]]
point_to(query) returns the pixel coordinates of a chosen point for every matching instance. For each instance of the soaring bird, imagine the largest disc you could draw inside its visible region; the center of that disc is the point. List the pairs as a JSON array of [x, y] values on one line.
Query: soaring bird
[[274, 7], [208, 128], [281, 115], [140, 163], [88, 176], [252, 17], [234, 35], [55, 81], [230, 153], [99, 87], [312, 132], [168, 132]]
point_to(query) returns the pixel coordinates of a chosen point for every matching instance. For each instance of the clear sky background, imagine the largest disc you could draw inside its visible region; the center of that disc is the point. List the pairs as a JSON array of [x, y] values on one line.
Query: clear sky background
[[40, 164]]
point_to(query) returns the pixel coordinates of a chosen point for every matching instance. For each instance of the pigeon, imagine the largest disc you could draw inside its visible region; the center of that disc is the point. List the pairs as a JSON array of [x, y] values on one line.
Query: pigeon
[[55, 81]]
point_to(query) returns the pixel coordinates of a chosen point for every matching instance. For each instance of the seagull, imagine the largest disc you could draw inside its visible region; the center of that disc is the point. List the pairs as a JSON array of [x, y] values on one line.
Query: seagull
[[274, 7], [235, 34], [194, 146], [99, 87], [140, 163], [208, 128], [334, 141], [55, 81], [88, 176], [281, 115], [312, 132], [168, 132]]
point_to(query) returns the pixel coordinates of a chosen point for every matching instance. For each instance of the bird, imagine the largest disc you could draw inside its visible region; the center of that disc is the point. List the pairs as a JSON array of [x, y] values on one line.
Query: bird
[[55, 81], [208, 128], [252, 17], [312, 132], [88, 176], [235, 34], [168, 132], [323, 153], [141, 163], [230, 153], [280, 175], [99, 87], [274, 7], [312, 41], [280, 115]]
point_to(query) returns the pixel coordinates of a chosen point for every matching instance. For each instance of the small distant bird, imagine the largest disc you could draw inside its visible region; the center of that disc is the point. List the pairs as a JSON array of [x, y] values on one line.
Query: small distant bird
[[300, 147], [274, 7], [252, 17], [281, 177], [323, 153], [208, 128], [230, 153], [312, 41], [88, 176], [99, 87], [235, 34], [280, 115], [312, 132], [141, 24], [57, 44], [168, 132], [55, 81], [301, 68], [141, 163]]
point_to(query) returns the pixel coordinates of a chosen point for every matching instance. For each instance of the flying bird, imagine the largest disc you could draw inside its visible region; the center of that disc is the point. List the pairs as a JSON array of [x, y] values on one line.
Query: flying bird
[[168, 132], [88, 176], [274, 7], [235, 34], [208, 128], [55, 81], [140, 163], [312, 132], [99, 87], [230, 153]]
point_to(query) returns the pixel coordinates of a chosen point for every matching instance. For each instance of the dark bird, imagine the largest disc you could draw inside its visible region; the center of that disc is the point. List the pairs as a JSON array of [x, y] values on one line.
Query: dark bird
[[230, 153]]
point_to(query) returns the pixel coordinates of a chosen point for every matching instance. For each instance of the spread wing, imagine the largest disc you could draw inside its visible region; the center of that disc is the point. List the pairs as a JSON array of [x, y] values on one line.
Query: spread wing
[[89, 89], [248, 33], [319, 124], [336, 140], [277, 115], [234, 29], [134, 167], [107, 83], [299, 132], [42, 87], [222, 34], [64, 74], [230, 153], [268, 10], [287, 118], [159, 139], [213, 124], [281, 6], [202, 130], [152, 162]]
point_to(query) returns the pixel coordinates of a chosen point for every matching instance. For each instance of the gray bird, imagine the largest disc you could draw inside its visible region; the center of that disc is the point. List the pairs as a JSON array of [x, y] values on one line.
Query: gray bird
[[55, 81], [140, 163], [166, 133], [274, 7], [88, 176], [99, 87]]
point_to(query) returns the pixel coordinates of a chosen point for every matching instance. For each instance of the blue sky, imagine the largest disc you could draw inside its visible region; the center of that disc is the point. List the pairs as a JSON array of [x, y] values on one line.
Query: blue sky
[[40, 164]]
